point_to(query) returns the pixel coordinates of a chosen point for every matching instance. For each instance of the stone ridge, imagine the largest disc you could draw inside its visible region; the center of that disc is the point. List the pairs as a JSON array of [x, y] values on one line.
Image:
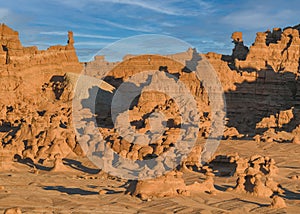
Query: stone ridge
[[15, 57], [36, 91], [35, 121], [278, 49]]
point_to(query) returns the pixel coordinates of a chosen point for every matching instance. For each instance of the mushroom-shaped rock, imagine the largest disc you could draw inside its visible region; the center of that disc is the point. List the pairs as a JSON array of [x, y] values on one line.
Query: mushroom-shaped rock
[[296, 140], [237, 36], [278, 203], [273, 185], [260, 189], [170, 184], [240, 183], [241, 166], [58, 164], [15, 210], [144, 151]]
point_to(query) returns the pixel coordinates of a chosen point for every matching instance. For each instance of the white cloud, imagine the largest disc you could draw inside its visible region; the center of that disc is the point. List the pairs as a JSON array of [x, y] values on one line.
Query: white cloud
[[146, 29], [62, 33], [4, 13], [163, 7], [97, 44], [167, 24], [259, 19], [154, 6]]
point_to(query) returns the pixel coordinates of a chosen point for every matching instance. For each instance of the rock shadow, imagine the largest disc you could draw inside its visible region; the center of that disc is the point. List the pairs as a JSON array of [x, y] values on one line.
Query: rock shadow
[[70, 191], [269, 94]]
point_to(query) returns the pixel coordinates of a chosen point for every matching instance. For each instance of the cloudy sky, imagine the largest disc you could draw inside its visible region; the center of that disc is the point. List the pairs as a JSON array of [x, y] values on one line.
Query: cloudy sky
[[206, 25]]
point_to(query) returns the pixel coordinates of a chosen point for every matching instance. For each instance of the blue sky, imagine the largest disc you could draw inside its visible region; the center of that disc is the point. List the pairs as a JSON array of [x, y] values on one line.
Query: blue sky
[[206, 25]]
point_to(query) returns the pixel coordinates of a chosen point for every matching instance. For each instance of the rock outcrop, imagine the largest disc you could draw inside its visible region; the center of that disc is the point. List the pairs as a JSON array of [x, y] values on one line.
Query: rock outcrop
[[278, 203], [15, 57], [255, 176], [34, 120], [13, 211], [261, 90], [277, 49], [260, 85], [172, 184], [240, 51], [258, 95]]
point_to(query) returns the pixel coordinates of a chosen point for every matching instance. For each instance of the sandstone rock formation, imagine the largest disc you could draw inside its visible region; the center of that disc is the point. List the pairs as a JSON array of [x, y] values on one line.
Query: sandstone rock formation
[[255, 176], [58, 164], [231, 77], [277, 49], [143, 147], [259, 95], [260, 84], [172, 184], [13, 211], [33, 118], [278, 203], [240, 51]]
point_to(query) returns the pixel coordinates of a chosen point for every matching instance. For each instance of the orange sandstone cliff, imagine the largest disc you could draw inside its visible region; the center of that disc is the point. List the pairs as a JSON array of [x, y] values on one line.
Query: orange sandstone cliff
[[260, 85], [33, 119]]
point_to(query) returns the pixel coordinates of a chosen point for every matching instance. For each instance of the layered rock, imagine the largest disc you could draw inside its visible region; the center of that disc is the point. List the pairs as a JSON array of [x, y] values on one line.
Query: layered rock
[[254, 86], [260, 86], [263, 84], [35, 123], [172, 184], [240, 51], [255, 176], [16, 57], [277, 49], [278, 203]]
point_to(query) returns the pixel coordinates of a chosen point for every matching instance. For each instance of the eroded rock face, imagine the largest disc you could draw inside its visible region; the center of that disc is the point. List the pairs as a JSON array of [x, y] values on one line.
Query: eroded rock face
[[240, 51], [255, 176], [15, 57], [261, 90], [13, 211], [277, 49], [278, 203], [172, 184], [260, 86], [149, 106], [37, 121]]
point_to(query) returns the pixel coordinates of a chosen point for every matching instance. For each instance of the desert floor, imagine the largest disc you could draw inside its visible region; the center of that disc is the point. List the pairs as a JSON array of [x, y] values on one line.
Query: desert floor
[[77, 189]]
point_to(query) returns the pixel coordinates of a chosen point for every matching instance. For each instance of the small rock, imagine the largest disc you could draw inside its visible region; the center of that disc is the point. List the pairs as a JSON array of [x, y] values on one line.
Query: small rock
[[184, 192], [295, 177], [102, 192], [15, 210], [278, 203], [229, 189], [296, 140]]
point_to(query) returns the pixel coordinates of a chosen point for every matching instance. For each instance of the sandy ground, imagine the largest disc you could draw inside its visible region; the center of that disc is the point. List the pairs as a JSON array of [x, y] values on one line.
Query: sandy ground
[[77, 190]]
